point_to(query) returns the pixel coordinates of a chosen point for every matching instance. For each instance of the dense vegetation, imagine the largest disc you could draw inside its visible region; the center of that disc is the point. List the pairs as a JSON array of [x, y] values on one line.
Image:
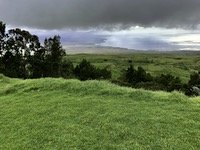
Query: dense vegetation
[[63, 114], [166, 71], [141, 79], [22, 56]]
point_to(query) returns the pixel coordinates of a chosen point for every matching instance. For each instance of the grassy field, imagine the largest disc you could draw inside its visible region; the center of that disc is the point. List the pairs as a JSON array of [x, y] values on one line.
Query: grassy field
[[69, 114], [181, 65]]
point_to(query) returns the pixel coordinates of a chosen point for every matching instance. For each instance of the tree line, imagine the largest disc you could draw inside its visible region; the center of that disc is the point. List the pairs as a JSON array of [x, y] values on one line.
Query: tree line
[[139, 78], [23, 56]]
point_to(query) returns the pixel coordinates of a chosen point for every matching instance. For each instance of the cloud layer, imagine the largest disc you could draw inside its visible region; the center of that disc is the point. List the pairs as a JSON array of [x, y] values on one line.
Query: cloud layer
[[57, 14]]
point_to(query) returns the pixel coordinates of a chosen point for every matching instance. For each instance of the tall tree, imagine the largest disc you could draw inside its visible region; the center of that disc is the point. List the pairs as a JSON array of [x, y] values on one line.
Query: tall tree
[[2, 44], [2, 36], [20, 46], [130, 74], [54, 55]]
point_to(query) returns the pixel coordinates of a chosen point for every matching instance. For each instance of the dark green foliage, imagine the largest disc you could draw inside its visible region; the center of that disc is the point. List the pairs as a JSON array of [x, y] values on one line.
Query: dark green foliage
[[170, 82], [22, 56], [141, 79], [54, 55], [143, 76], [134, 76], [67, 69], [37, 64], [104, 73], [175, 84], [193, 86], [164, 79], [13, 66], [130, 75], [86, 71], [194, 79], [18, 47]]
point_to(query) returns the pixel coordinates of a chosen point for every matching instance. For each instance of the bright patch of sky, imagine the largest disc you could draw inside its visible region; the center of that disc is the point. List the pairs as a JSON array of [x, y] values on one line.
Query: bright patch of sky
[[153, 39], [137, 37]]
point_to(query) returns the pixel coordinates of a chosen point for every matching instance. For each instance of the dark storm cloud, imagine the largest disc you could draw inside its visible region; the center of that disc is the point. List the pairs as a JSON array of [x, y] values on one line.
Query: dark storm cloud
[[51, 14]]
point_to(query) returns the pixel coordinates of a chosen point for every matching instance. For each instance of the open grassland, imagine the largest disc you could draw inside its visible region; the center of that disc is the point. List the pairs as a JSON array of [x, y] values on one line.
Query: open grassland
[[180, 65], [69, 114]]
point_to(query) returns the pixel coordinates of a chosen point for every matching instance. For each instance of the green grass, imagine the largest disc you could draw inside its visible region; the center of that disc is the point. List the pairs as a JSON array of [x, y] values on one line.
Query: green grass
[[69, 114], [180, 65]]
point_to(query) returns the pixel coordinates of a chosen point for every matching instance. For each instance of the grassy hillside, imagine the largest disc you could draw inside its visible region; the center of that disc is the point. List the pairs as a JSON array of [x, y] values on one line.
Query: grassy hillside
[[177, 64], [69, 114]]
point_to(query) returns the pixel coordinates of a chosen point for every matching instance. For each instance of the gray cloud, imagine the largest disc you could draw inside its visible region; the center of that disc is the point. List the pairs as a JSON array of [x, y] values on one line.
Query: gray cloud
[[56, 14]]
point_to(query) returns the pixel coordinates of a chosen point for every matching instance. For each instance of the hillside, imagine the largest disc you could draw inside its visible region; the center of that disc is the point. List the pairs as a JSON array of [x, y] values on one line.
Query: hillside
[[180, 65], [68, 114]]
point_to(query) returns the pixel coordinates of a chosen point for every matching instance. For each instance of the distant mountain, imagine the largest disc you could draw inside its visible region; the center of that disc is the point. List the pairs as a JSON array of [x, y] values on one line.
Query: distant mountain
[[95, 49]]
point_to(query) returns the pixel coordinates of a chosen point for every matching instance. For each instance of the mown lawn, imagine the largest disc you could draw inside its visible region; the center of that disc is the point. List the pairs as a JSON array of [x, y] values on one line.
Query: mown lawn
[[69, 114]]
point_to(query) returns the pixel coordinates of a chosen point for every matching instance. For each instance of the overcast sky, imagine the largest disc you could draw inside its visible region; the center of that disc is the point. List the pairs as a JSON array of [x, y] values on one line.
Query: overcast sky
[[134, 24]]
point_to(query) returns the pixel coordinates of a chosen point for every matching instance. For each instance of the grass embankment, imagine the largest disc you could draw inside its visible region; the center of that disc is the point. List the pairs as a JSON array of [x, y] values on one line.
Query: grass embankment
[[69, 114]]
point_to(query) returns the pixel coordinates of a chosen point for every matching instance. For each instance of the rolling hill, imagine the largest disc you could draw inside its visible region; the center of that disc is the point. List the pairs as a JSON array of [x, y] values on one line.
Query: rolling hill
[[64, 114]]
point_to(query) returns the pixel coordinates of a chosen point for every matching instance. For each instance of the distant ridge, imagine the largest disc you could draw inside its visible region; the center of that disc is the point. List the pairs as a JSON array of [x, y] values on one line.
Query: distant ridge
[[92, 49]]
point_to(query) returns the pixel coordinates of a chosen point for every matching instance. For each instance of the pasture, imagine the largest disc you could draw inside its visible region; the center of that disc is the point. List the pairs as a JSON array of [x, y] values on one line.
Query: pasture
[[177, 64]]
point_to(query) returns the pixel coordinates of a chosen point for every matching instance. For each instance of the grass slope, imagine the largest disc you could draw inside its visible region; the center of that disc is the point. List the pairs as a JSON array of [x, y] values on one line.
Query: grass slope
[[69, 114]]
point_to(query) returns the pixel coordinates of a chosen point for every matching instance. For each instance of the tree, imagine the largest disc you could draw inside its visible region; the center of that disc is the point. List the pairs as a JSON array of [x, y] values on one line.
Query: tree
[[135, 76], [194, 79], [37, 63], [175, 84], [85, 71], [193, 86], [22, 56], [103, 73], [143, 76], [2, 44], [169, 82], [2, 37], [54, 55], [130, 75], [67, 69], [21, 45]]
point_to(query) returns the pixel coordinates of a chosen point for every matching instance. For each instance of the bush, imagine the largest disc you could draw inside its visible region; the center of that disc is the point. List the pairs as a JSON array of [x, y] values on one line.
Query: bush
[[170, 82], [194, 79], [134, 76], [67, 69], [86, 71], [193, 86]]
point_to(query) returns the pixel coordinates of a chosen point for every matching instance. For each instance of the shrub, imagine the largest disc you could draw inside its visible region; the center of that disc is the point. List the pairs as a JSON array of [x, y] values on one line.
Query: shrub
[[193, 86], [170, 82], [134, 76], [67, 69], [86, 71]]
